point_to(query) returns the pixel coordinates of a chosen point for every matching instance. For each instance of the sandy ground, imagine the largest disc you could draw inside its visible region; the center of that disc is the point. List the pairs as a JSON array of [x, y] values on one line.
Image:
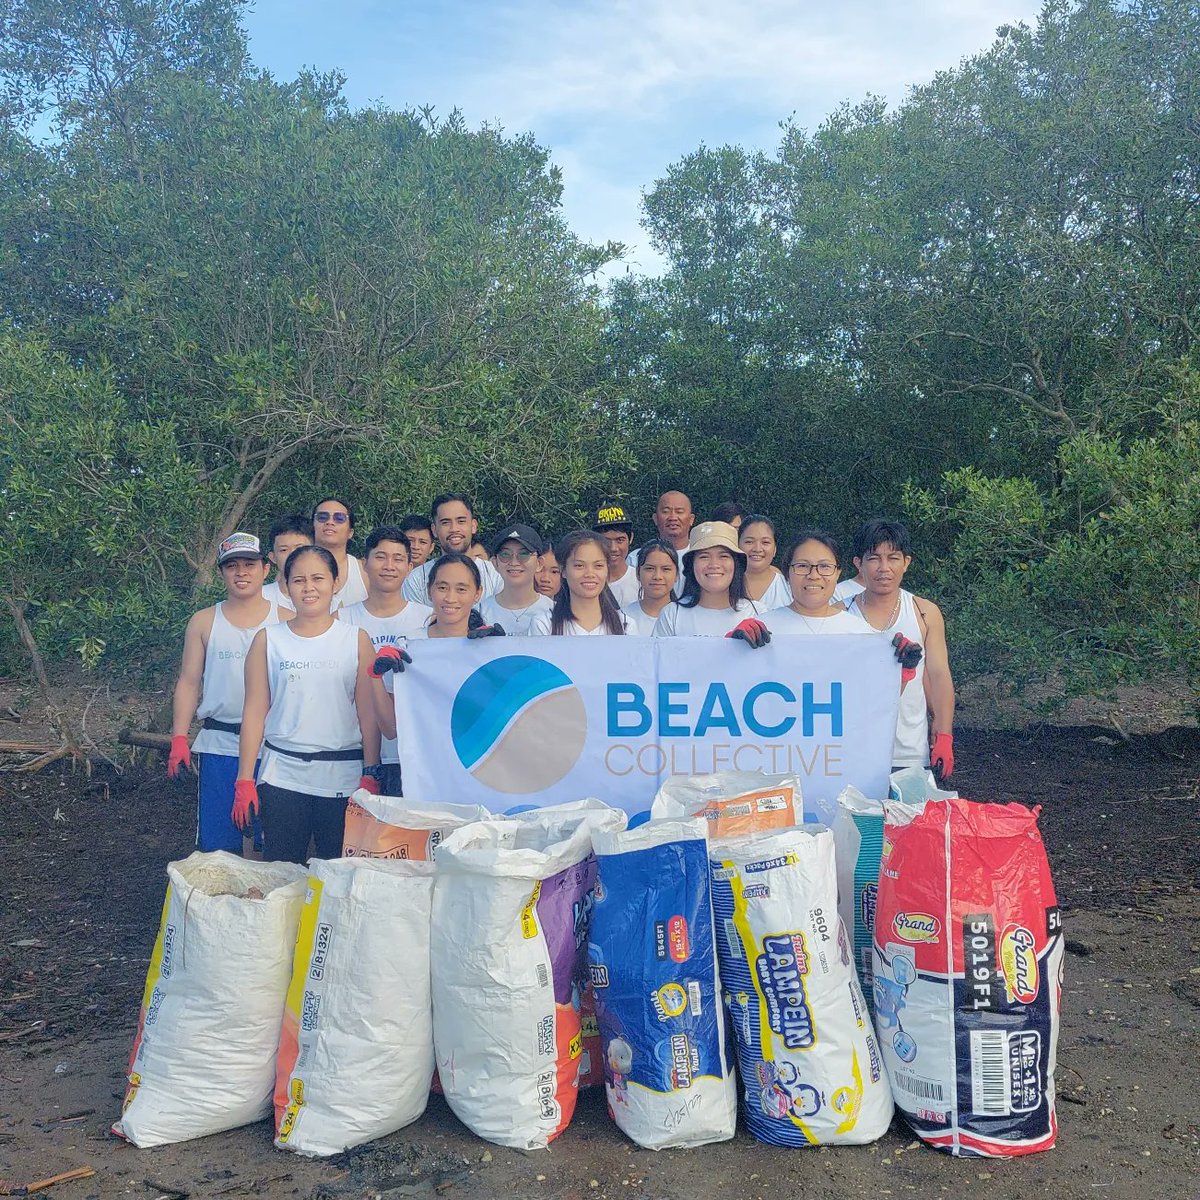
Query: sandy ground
[[82, 863]]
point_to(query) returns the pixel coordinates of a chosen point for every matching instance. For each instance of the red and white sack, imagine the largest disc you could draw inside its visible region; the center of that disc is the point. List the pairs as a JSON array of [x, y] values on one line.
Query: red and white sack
[[356, 1048], [968, 975], [204, 1056]]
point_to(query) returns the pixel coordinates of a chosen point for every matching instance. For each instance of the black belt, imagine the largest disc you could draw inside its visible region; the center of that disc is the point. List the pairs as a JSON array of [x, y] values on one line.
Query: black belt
[[354, 755], [222, 726]]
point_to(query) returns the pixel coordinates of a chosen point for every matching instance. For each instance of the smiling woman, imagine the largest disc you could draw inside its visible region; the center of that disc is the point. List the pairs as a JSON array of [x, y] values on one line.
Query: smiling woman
[[714, 600], [584, 605]]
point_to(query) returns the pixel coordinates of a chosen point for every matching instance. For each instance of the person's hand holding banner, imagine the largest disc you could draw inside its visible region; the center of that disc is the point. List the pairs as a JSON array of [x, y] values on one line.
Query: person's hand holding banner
[[389, 658], [751, 631], [908, 655], [483, 631]]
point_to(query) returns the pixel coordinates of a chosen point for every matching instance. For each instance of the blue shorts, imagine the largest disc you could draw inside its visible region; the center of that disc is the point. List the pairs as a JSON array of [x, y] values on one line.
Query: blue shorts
[[215, 829]]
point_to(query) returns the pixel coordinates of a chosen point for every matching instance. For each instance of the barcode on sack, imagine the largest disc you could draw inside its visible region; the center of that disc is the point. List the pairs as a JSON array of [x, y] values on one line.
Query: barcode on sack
[[543, 976], [926, 1089], [990, 1090], [695, 1006], [731, 935]]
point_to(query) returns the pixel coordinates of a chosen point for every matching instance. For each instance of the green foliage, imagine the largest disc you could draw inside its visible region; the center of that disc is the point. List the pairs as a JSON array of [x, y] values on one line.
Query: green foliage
[[1089, 584]]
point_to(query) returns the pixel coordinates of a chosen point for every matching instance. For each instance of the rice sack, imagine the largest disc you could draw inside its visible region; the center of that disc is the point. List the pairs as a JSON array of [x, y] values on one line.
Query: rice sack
[[508, 947], [733, 803], [356, 1049], [668, 1073], [858, 844], [392, 827], [808, 1057], [203, 1058], [968, 975]]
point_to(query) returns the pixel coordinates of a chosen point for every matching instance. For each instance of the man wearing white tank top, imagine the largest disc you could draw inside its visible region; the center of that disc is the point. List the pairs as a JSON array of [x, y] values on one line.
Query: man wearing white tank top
[[211, 687], [333, 527], [389, 620], [925, 725]]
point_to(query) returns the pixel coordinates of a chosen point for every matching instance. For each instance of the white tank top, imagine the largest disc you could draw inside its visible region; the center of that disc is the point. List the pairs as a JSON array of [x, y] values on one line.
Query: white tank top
[[354, 591], [911, 748], [223, 690], [312, 708]]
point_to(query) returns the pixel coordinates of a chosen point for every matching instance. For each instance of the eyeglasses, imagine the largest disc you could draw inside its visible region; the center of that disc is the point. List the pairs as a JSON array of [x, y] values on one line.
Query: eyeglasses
[[824, 569], [326, 517], [522, 555]]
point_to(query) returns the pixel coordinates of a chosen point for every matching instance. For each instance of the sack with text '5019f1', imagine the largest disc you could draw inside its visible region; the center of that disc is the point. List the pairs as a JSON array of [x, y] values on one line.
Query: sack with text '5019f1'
[[508, 947], [204, 1055], [668, 1072], [807, 1055], [356, 1049], [968, 975], [733, 803]]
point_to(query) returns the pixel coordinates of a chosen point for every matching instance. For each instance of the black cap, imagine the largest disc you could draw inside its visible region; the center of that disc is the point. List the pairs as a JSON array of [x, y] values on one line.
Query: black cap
[[525, 534], [611, 515]]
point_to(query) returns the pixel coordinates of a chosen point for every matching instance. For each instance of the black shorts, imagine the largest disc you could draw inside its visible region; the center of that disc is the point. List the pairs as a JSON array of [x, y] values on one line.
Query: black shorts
[[291, 820]]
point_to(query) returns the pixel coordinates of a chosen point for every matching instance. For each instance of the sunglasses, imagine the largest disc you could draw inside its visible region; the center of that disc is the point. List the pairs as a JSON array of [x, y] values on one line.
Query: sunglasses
[[326, 517]]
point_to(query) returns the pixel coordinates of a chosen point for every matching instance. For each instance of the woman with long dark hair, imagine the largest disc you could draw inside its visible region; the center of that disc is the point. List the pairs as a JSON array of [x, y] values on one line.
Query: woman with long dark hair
[[584, 605]]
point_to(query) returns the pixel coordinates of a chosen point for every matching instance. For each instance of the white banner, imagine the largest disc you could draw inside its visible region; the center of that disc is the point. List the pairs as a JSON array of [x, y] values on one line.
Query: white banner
[[514, 723]]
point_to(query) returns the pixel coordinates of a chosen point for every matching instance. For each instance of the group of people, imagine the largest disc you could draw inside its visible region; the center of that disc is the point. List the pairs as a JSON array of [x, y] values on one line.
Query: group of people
[[291, 679]]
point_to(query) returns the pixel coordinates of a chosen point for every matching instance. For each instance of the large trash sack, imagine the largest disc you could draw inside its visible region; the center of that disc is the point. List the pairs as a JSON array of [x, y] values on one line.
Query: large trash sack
[[203, 1058], [511, 904], [808, 1058], [858, 843], [356, 1049], [393, 827], [668, 1072], [733, 803], [968, 975]]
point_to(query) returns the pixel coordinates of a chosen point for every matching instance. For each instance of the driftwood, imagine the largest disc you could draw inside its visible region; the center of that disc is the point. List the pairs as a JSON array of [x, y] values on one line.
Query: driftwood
[[144, 739]]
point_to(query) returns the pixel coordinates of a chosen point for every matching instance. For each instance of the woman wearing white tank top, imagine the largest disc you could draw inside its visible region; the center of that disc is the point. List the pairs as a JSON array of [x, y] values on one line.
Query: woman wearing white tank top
[[308, 698]]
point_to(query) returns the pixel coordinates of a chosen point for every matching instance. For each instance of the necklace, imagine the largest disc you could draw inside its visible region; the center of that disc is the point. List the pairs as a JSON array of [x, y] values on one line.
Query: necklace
[[887, 624]]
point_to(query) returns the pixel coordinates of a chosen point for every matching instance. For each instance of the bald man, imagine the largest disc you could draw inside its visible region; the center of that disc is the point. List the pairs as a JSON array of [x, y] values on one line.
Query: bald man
[[673, 518]]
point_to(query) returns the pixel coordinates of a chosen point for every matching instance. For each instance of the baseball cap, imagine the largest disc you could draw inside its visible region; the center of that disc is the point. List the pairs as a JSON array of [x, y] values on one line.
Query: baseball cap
[[238, 545], [525, 534], [712, 534], [611, 515]]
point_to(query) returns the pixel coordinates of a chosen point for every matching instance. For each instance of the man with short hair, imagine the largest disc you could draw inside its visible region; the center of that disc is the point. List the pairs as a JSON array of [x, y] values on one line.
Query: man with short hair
[[389, 620], [616, 529], [925, 725], [211, 686], [418, 528], [455, 527], [673, 518], [288, 533], [333, 527]]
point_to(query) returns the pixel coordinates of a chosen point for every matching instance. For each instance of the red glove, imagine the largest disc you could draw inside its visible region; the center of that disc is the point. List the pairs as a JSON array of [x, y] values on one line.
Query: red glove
[[245, 804], [941, 756], [908, 655], [751, 631], [180, 755], [370, 785], [389, 658]]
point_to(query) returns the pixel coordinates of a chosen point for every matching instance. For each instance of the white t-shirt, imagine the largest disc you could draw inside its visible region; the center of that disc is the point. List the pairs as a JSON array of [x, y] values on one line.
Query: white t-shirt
[[639, 621], [632, 560], [573, 629], [677, 621], [846, 589], [274, 592], [789, 621], [388, 631], [416, 586], [777, 595], [516, 622], [626, 590]]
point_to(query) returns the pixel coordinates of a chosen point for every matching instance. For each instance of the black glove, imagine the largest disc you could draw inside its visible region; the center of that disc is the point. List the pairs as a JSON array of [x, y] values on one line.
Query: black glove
[[486, 631], [389, 658], [751, 631]]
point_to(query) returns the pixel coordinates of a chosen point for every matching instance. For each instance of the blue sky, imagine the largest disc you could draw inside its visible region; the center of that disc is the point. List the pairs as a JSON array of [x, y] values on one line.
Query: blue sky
[[619, 90]]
